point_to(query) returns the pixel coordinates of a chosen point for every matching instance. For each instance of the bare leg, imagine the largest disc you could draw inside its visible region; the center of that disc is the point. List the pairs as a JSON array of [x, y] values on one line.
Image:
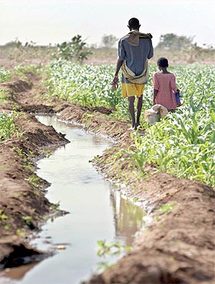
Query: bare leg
[[139, 109], [131, 109]]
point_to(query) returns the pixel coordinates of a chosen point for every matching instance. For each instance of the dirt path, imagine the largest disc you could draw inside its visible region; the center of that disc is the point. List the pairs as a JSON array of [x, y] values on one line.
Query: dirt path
[[177, 247]]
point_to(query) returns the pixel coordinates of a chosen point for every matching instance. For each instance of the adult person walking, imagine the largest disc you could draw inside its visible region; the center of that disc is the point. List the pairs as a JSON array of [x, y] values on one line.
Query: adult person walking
[[134, 50]]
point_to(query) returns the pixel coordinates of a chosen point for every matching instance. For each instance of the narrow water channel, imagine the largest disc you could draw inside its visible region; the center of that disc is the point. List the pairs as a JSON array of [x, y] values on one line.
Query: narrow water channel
[[97, 212]]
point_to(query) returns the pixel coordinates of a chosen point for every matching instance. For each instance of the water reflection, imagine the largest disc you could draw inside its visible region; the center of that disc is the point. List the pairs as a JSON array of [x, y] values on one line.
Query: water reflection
[[128, 217], [15, 274]]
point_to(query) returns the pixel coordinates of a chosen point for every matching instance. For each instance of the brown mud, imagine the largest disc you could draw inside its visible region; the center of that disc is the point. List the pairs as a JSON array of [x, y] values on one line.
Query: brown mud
[[22, 196], [178, 246]]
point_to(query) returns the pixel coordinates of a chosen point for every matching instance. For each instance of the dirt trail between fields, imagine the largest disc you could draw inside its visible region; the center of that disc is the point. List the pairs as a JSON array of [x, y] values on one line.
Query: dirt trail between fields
[[178, 246]]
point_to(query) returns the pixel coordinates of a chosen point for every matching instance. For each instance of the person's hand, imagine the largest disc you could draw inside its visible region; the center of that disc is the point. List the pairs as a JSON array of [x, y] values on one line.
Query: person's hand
[[115, 83]]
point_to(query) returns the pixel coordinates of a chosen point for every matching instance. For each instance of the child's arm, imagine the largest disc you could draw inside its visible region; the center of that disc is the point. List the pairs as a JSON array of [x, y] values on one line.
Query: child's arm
[[156, 87], [173, 84], [155, 94]]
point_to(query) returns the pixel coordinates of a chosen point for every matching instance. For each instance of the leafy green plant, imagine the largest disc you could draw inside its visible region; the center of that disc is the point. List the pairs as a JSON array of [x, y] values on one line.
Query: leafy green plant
[[20, 233], [5, 75], [55, 206], [23, 71], [3, 95], [166, 208], [7, 126], [111, 248], [74, 50], [34, 180], [27, 220], [3, 216], [86, 85], [109, 252]]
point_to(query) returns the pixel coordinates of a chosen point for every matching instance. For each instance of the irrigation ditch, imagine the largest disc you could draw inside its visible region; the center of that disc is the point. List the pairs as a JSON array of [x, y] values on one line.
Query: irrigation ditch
[[177, 247]]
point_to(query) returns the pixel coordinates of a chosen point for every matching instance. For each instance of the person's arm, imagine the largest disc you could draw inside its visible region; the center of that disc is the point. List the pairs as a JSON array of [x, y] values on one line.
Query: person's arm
[[156, 87], [120, 60], [151, 50], [173, 83], [155, 94], [118, 66]]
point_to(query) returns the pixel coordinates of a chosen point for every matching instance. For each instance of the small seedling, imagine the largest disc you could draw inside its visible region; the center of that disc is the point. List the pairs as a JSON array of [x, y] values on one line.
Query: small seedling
[[3, 216], [111, 248], [20, 233], [166, 208], [34, 180], [27, 220]]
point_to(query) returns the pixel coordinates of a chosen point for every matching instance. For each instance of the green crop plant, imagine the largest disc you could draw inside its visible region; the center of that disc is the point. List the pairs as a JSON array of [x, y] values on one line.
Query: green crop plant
[[25, 72], [27, 219], [166, 208], [55, 206], [7, 126], [4, 75], [3, 216], [3, 96], [85, 85], [111, 248], [21, 233], [34, 180], [109, 252]]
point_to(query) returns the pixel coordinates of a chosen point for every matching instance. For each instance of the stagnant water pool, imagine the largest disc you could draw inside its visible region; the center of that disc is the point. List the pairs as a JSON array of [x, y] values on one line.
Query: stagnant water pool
[[97, 212]]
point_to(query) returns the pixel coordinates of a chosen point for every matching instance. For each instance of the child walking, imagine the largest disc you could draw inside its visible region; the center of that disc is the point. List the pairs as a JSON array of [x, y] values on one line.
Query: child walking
[[165, 89]]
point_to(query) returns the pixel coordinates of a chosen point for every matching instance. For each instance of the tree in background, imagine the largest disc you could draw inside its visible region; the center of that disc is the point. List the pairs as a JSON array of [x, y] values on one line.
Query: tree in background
[[174, 42], [74, 50], [13, 44], [108, 41], [182, 46]]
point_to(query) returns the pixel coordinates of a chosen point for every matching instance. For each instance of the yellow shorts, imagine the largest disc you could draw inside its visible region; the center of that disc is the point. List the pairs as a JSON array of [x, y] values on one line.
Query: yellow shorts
[[132, 89]]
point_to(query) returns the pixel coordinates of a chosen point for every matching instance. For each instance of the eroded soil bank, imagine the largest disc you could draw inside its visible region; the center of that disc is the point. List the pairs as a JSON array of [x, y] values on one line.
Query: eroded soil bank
[[177, 247], [22, 197]]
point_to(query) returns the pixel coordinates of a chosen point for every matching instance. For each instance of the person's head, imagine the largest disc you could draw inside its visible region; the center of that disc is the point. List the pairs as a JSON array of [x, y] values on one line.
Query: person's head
[[133, 24], [162, 63]]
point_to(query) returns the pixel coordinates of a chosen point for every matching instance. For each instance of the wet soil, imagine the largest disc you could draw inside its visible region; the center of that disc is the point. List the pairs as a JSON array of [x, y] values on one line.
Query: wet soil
[[178, 246], [22, 197]]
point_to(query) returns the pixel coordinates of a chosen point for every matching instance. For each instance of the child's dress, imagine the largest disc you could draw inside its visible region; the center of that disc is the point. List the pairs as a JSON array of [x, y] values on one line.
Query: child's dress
[[165, 83]]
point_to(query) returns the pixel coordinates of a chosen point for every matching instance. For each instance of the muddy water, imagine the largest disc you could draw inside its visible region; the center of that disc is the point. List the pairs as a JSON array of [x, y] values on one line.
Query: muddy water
[[97, 212]]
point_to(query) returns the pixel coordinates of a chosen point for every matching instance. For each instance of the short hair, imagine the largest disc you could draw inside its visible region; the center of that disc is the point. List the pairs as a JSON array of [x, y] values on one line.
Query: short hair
[[163, 62], [133, 23]]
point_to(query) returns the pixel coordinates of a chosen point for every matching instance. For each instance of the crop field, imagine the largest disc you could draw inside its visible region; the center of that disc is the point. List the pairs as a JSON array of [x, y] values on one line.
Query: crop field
[[4, 75], [86, 85], [7, 125], [182, 144]]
